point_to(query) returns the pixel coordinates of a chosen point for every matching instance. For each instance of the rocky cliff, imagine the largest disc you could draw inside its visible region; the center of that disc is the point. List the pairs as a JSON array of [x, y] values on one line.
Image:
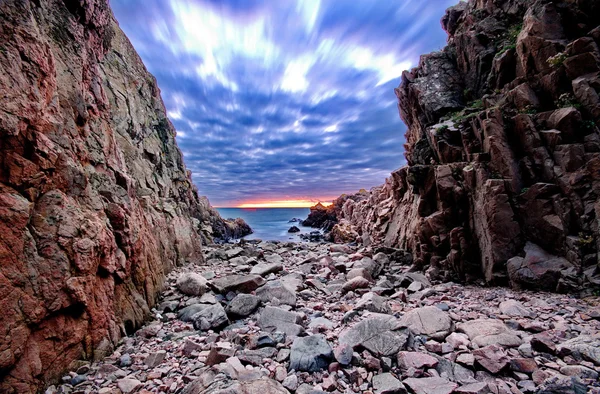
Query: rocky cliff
[[96, 204], [503, 150]]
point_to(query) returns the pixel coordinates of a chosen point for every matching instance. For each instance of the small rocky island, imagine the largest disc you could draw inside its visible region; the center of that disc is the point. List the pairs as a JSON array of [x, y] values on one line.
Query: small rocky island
[[473, 270]]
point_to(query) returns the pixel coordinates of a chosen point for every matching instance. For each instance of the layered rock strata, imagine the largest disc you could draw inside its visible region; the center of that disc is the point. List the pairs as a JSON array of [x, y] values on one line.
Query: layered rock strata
[[502, 149], [96, 204]]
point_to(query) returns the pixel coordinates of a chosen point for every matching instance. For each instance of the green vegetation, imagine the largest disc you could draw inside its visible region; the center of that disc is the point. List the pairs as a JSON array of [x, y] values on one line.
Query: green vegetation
[[472, 109], [567, 100], [585, 239], [524, 190], [588, 125], [510, 39], [557, 60], [529, 110], [441, 129]]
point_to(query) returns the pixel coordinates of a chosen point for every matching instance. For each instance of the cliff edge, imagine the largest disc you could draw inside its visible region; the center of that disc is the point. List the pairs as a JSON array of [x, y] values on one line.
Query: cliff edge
[[503, 151], [96, 204]]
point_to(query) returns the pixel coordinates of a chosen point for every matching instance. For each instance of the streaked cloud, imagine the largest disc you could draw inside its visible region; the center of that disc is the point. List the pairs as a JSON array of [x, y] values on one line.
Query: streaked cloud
[[283, 100]]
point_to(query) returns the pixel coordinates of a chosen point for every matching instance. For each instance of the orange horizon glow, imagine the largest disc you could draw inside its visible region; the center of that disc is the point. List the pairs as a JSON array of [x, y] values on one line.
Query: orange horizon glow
[[282, 204]]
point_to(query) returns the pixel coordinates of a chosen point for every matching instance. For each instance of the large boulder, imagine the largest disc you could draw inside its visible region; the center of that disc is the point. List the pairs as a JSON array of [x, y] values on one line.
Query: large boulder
[[239, 283], [538, 270], [191, 283], [429, 321], [311, 353], [380, 335], [276, 319]]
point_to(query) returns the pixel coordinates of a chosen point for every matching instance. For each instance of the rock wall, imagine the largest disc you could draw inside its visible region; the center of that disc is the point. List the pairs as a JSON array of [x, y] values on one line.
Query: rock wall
[[96, 204], [503, 150]]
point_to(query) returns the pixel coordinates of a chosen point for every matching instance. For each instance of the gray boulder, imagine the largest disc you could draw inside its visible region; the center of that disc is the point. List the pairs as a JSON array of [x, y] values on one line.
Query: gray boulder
[[243, 305], [310, 354], [191, 283], [211, 317]]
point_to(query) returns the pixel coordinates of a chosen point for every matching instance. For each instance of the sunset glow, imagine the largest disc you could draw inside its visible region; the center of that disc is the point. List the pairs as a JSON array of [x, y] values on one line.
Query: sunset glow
[[282, 204]]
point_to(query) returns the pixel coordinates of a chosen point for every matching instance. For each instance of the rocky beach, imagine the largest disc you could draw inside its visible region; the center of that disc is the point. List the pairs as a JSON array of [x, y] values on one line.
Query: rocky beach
[[474, 269], [266, 317]]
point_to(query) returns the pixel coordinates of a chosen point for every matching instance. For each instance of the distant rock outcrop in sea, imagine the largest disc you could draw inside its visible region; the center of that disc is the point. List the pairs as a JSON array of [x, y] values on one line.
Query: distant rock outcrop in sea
[[503, 151], [96, 204]]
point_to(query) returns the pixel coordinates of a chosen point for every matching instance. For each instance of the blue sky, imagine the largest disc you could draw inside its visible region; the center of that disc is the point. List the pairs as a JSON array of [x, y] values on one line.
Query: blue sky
[[283, 99]]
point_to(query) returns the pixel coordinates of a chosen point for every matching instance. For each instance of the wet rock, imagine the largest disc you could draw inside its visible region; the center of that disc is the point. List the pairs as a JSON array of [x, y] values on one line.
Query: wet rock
[[311, 353], [428, 321], [380, 335], [243, 305], [293, 229]]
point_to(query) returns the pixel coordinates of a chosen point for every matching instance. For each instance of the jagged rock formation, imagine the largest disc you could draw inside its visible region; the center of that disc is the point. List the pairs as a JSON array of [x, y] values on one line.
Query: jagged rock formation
[[503, 150], [215, 228], [96, 205]]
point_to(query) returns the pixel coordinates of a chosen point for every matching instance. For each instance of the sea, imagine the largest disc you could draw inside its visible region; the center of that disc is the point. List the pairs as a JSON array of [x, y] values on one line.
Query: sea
[[270, 224]]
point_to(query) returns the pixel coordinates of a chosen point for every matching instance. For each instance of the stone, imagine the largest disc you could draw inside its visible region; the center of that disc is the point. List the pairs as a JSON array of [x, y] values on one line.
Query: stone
[[457, 340], [219, 354], [380, 335], [210, 382], [343, 353], [276, 319], [242, 305], [539, 270], [290, 382], [429, 321], [474, 388], [484, 332], [125, 360], [359, 272], [191, 283], [257, 356], [430, 385], [492, 357], [293, 229], [416, 360], [128, 385], [266, 269], [524, 365], [212, 317], [373, 303], [155, 359], [386, 383], [188, 312], [586, 346], [513, 308], [277, 290], [355, 283], [238, 283], [311, 353]]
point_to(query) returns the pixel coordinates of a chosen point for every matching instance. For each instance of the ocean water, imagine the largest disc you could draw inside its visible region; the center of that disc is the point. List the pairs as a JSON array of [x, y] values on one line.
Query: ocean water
[[270, 224]]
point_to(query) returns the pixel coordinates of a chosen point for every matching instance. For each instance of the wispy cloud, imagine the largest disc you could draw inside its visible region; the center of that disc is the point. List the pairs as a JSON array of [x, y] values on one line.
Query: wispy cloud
[[283, 100]]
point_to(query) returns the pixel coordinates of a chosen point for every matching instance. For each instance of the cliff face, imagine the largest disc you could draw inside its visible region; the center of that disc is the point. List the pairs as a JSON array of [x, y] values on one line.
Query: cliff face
[[96, 204], [503, 150]]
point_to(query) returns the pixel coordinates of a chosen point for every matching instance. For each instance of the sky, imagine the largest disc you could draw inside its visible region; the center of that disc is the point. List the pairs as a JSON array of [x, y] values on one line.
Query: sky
[[282, 101]]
